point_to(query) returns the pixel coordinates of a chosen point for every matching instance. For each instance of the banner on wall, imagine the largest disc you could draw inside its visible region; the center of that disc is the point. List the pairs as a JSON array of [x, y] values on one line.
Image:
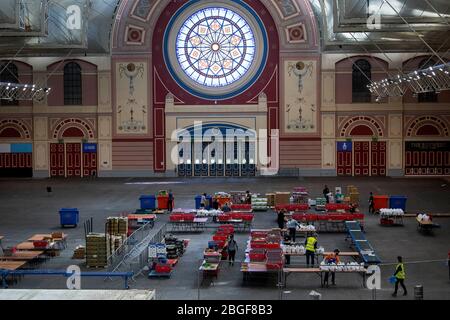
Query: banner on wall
[[16, 148], [89, 148], [343, 146]]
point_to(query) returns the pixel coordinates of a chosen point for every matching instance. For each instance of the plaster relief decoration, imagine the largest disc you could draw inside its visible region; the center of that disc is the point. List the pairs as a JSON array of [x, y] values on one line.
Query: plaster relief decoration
[[131, 98], [300, 103], [287, 8], [296, 33]]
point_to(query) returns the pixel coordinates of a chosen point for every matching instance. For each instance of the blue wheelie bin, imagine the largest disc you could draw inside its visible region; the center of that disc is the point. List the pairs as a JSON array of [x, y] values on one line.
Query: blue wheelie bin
[[398, 202], [69, 217], [148, 202]]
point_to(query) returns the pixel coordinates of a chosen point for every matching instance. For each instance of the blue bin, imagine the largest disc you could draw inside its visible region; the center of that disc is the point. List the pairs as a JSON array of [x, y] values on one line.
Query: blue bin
[[198, 200], [148, 202], [69, 217], [398, 202]]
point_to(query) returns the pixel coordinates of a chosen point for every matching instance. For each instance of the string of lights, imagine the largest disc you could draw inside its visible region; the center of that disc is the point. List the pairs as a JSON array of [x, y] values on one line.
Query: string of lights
[[432, 79], [18, 91]]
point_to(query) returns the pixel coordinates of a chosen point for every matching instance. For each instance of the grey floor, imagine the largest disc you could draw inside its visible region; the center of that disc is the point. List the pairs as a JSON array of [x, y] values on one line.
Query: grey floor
[[26, 209]]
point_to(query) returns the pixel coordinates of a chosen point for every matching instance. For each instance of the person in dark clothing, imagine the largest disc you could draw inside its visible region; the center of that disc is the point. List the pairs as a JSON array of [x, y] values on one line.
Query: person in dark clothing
[[280, 218], [448, 263], [215, 204], [248, 197], [232, 247], [352, 208], [400, 276], [371, 204], [170, 201], [226, 208], [326, 191]]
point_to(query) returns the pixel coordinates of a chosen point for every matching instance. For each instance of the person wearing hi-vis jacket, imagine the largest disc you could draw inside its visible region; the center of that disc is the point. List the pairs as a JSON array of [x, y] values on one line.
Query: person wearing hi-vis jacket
[[310, 246], [400, 276]]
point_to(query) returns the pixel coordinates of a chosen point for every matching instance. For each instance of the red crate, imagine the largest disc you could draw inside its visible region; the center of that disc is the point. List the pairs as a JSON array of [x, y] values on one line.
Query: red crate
[[40, 244], [257, 257], [274, 266], [223, 217], [220, 238], [236, 207], [163, 268]]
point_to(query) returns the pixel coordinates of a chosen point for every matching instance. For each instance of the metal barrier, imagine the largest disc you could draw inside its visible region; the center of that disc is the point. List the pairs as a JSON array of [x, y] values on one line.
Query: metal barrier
[[132, 256], [5, 273]]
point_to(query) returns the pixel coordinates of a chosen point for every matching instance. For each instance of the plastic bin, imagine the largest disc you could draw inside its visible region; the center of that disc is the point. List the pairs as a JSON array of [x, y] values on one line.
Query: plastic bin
[[163, 202], [398, 202], [380, 202], [148, 202], [69, 217], [198, 201]]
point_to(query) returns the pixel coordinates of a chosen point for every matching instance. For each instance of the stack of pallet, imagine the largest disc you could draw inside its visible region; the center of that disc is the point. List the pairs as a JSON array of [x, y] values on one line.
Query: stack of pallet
[[97, 249], [282, 198], [79, 253], [270, 199], [117, 228], [300, 195], [353, 194]]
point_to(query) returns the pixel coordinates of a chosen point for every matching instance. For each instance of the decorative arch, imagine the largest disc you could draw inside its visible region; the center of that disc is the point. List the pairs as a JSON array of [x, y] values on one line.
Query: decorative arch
[[12, 127], [73, 126], [362, 126], [427, 126]]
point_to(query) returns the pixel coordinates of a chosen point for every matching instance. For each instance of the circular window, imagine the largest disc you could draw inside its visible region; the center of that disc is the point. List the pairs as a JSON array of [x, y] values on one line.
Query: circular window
[[215, 49]]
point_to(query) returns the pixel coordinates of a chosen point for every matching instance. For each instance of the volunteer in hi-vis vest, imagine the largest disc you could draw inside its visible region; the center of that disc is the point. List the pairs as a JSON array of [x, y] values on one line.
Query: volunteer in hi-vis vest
[[400, 276]]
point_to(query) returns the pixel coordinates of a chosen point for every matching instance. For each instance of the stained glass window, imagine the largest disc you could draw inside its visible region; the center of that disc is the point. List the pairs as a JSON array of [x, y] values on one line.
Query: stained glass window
[[215, 47]]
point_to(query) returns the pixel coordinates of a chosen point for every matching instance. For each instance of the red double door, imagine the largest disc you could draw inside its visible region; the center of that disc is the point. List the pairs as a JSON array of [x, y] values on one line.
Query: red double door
[[366, 159], [67, 160]]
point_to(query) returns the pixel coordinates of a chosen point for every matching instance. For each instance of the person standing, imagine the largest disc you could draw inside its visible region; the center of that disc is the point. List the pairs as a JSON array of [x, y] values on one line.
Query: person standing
[[400, 276], [448, 263], [280, 218], [248, 197], [371, 204], [326, 191], [292, 225], [329, 259], [226, 208], [215, 204], [170, 201], [311, 246], [232, 248], [203, 201]]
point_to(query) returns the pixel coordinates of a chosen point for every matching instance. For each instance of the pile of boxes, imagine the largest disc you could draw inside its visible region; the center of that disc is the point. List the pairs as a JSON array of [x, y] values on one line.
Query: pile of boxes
[[117, 228], [270, 200], [300, 196], [353, 194], [282, 198], [97, 249], [259, 204], [79, 253]]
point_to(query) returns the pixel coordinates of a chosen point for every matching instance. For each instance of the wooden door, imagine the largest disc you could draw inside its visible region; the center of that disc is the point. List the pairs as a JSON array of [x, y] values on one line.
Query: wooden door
[[344, 163], [361, 154], [90, 164], [73, 159], [57, 160], [378, 158]]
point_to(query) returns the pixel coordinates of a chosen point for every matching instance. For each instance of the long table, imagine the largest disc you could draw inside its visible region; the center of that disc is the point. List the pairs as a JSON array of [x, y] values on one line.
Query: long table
[[47, 236], [23, 256], [319, 272], [12, 265]]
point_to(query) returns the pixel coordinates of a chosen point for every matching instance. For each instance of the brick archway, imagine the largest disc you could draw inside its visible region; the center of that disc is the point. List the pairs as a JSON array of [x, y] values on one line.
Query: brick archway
[[16, 125], [416, 127], [73, 124], [361, 125]]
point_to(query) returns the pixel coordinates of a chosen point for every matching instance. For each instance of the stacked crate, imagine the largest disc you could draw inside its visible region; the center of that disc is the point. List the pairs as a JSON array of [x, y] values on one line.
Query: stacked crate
[[270, 199], [79, 253], [282, 198], [97, 248], [259, 204], [117, 229], [353, 194], [300, 196]]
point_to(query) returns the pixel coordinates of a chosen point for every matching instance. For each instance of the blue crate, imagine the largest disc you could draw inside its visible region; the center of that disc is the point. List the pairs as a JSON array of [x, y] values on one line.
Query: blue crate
[[398, 202]]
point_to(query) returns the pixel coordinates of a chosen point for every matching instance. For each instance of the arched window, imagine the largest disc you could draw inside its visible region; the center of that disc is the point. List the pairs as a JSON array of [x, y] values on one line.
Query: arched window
[[427, 96], [72, 84], [361, 76], [9, 74]]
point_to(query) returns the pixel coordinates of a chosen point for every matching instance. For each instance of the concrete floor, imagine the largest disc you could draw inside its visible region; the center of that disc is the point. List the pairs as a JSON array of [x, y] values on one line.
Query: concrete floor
[[26, 209]]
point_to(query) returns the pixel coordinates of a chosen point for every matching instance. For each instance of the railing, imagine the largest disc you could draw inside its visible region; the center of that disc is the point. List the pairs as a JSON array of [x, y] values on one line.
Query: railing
[[132, 256]]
